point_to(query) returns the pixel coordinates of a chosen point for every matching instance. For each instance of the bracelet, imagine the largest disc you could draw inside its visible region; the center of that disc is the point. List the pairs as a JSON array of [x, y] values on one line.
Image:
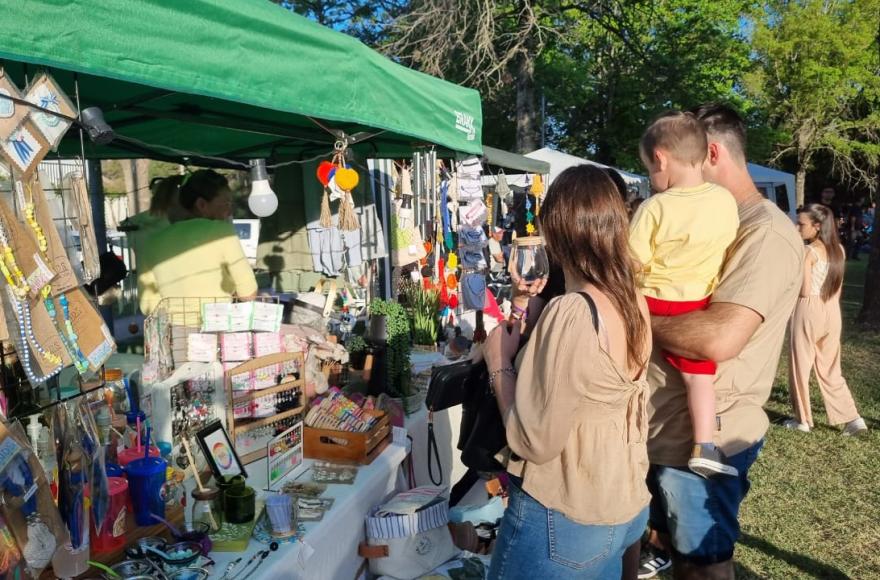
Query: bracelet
[[516, 308], [494, 374]]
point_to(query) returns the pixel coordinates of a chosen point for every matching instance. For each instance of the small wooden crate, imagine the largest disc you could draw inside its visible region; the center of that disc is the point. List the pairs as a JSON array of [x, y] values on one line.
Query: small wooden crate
[[345, 446]]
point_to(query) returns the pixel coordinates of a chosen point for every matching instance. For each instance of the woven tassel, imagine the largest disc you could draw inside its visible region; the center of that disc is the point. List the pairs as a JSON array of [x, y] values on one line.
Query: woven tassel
[[326, 216], [348, 221]]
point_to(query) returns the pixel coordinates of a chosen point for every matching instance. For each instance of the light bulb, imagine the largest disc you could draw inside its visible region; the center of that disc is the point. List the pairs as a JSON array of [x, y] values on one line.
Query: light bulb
[[262, 201]]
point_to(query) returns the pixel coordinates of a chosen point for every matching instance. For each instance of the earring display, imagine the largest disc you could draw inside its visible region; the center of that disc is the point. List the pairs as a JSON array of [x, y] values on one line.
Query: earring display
[[255, 416]]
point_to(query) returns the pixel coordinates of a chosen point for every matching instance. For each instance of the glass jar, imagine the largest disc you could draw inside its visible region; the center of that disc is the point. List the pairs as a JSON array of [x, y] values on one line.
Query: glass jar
[[115, 381], [207, 508], [529, 259]]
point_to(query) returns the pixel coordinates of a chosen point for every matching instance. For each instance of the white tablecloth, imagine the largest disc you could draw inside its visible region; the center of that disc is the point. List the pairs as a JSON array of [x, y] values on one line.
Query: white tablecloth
[[329, 549]]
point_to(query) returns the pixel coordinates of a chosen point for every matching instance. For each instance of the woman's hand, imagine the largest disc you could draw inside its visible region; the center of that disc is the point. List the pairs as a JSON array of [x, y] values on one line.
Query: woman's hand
[[501, 346], [526, 289]]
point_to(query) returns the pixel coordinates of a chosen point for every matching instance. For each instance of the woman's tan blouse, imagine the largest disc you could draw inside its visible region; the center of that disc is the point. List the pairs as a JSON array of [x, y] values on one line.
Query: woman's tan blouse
[[578, 423]]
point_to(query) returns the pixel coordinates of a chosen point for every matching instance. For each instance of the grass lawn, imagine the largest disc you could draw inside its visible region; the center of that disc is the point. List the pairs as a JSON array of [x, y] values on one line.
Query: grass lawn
[[814, 507]]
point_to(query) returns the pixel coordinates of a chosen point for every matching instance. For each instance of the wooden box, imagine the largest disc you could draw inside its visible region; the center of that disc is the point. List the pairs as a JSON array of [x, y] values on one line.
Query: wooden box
[[345, 446]]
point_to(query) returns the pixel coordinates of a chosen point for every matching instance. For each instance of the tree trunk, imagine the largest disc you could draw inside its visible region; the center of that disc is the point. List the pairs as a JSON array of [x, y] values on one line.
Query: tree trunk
[[870, 313], [800, 183], [136, 174], [143, 194], [527, 124]]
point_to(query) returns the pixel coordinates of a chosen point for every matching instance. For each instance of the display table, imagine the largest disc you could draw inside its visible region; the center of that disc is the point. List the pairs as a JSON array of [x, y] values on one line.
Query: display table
[[329, 548]]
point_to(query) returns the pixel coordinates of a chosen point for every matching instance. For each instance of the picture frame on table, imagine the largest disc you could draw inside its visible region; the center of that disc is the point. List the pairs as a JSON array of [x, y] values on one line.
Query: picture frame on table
[[219, 451]]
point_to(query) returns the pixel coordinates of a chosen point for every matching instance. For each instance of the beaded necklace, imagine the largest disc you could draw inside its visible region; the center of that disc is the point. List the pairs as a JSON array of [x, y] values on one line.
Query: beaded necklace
[[26, 335], [68, 335], [13, 274], [20, 289]]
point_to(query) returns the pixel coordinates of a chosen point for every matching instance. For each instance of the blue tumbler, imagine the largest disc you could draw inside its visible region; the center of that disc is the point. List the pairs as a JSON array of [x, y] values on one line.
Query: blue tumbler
[[146, 481]]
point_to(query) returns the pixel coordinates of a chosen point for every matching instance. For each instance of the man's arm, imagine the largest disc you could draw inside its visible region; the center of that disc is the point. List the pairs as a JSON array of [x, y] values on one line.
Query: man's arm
[[718, 333]]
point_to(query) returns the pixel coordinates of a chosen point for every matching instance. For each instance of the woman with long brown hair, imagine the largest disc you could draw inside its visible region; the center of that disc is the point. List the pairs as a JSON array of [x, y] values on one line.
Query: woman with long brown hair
[[816, 326], [574, 399]]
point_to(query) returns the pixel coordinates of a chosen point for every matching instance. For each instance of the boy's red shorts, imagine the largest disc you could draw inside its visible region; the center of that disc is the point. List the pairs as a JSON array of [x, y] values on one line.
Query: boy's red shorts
[[659, 307]]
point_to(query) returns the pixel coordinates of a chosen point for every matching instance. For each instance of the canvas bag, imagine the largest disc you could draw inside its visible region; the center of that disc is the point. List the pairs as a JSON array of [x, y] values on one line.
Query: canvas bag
[[313, 308], [408, 546]]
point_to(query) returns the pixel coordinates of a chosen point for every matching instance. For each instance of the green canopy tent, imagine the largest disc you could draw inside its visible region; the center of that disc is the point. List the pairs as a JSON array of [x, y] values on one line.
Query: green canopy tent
[[235, 79]]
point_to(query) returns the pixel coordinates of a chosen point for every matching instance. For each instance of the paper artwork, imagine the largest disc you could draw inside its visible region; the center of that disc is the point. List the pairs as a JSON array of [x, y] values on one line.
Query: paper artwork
[[11, 114], [24, 148], [45, 93]]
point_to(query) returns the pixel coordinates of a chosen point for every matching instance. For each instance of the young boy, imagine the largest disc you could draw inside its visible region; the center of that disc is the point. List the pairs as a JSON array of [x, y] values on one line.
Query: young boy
[[680, 236]]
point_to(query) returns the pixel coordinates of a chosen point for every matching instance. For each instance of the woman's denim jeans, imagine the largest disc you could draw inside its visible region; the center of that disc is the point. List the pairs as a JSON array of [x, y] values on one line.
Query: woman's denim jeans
[[537, 543]]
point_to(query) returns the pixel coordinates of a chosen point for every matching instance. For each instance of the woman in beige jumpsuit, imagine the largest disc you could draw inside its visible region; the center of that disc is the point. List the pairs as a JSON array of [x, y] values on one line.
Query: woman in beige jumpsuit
[[816, 325]]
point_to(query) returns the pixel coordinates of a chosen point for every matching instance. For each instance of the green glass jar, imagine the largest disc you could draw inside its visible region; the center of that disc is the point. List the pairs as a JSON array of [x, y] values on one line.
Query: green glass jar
[[240, 505]]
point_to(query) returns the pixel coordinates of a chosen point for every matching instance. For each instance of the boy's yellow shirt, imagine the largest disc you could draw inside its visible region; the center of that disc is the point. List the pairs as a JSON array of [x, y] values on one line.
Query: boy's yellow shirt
[[680, 237]]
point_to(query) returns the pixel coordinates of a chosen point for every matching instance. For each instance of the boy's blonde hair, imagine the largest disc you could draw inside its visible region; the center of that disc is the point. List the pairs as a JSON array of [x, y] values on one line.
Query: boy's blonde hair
[[681, 135]]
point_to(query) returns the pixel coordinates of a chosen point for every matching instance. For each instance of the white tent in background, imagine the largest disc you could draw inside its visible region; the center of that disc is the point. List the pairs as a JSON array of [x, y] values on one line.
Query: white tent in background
[[777, 186], [559, 162]]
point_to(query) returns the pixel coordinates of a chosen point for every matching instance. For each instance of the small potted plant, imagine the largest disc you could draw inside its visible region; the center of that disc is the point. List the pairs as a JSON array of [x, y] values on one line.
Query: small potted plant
[[423, 306], [357, 352]]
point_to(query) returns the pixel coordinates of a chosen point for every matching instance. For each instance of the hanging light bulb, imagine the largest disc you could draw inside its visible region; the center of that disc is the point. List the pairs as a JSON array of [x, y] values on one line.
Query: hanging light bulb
[[262, 201]]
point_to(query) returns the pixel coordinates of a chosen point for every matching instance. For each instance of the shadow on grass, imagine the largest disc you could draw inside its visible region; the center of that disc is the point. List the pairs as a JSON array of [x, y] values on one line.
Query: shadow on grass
[[805, 563]]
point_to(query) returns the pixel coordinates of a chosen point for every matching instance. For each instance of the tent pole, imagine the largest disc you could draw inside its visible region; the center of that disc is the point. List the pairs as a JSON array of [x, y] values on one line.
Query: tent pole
[[96, 198]]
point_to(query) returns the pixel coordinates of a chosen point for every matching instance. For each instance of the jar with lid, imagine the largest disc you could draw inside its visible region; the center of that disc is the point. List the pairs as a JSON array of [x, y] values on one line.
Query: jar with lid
[[207, 508], [114, 380]]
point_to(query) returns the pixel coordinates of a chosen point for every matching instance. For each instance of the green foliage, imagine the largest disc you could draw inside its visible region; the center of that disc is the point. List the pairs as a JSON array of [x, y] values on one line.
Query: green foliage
[[356, 344], [606, 78], [423, 307], [817, 78], [397, 364]]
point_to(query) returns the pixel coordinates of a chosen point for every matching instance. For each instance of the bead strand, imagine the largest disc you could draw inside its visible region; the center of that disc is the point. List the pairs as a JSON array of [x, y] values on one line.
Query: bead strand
[[25, 329]]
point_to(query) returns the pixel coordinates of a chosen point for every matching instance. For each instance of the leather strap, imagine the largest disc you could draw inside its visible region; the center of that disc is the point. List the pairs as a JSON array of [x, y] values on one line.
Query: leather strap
[[594, 312], [433, 453], [372, 552]]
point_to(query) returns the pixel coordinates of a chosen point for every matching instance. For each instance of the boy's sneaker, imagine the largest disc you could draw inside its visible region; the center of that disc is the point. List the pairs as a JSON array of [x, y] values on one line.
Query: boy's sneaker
[[855, 428], [708, 461], [796, 425], [652, 561]]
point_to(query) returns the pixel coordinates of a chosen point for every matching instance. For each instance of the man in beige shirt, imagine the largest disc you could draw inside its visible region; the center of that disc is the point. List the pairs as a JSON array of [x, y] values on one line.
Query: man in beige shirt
[[743, 329]]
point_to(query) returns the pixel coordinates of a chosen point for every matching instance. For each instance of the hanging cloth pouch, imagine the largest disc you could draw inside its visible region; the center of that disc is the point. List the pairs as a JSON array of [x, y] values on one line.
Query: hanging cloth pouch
[[472, 237], [473, 291]]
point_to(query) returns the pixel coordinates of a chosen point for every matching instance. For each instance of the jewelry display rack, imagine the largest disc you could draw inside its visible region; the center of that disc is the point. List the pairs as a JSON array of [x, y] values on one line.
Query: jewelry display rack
[[284, 384]]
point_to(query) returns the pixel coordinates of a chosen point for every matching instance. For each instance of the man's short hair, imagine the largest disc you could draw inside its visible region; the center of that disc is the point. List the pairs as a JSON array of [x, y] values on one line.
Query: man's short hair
[[724, 123], [679, 134]]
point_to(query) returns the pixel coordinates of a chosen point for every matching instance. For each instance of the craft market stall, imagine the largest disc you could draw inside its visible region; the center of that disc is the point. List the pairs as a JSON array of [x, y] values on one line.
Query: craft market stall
[[248, 427]]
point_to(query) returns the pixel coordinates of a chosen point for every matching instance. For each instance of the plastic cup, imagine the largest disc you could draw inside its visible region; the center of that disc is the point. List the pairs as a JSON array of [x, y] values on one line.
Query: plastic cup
[[146, 477], [112, 536], [278, 507], [126, 456]]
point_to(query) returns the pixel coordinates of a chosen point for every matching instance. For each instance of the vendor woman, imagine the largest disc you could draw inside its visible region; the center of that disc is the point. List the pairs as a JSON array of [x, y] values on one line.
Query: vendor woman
[[199, 257]]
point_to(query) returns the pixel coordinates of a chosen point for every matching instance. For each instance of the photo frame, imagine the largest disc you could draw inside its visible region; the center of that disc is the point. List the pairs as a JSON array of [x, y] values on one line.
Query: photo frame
[[45, 92], [219, 451]]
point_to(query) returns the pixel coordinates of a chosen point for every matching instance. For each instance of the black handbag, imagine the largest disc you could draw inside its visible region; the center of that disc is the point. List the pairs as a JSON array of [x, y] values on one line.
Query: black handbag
[[482, 434], [450, 385]]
